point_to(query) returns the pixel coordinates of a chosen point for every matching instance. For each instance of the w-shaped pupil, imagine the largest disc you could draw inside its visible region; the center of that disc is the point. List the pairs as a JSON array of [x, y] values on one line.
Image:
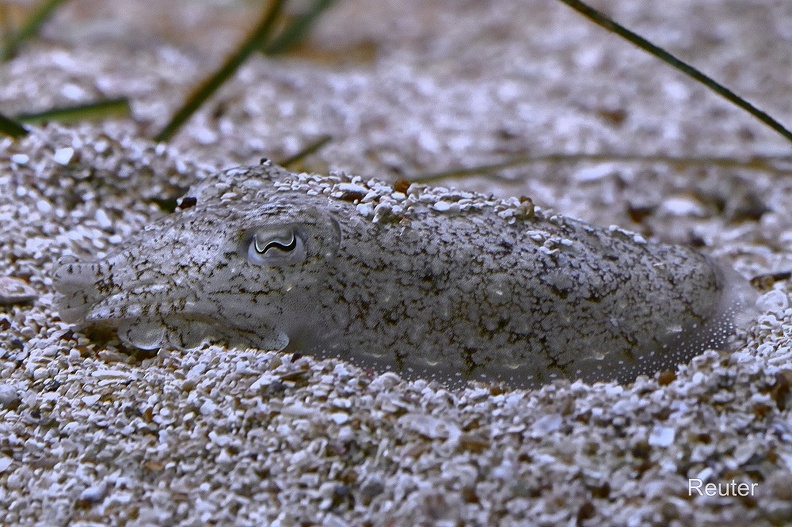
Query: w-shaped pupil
[[277, 244]]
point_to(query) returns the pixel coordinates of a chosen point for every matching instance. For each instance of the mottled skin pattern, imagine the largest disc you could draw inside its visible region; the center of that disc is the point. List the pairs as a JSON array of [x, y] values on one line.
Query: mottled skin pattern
[[424, 282]]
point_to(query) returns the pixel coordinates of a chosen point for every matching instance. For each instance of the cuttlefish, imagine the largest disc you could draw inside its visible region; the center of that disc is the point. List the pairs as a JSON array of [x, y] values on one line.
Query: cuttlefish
[[422, 281]]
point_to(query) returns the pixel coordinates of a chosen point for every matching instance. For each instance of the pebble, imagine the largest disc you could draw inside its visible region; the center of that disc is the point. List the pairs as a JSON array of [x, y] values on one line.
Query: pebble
[[8, 395], [63, 156], [775, 301], [339, 418], [94, 493], [20, 159], [90, 400], [662, 436], [15, 291], [547, 424], [102, 219]]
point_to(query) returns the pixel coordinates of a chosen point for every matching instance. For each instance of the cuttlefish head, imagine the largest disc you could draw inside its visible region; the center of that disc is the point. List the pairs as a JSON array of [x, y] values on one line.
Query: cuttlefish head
[[245, 273]]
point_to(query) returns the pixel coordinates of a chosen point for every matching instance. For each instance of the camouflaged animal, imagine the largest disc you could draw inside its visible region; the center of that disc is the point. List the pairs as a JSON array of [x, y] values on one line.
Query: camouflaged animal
[[422, 281]]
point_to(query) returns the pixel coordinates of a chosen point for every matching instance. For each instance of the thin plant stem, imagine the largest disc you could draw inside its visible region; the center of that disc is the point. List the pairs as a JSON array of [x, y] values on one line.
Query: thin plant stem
[[29, 29], [757, 163], [254, 41], [607, 23], [11, 128], [94, 110], [311, 148]]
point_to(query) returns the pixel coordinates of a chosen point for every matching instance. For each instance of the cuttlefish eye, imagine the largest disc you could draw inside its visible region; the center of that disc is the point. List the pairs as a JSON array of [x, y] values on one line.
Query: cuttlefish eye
[[276, 247]]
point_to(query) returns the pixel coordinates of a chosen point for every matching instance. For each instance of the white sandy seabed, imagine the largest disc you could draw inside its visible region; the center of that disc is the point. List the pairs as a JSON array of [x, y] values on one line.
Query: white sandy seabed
[[219, 436]]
